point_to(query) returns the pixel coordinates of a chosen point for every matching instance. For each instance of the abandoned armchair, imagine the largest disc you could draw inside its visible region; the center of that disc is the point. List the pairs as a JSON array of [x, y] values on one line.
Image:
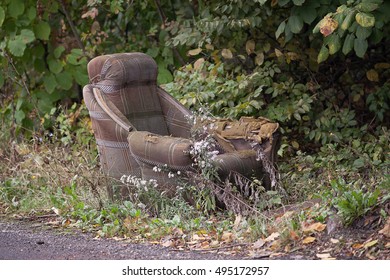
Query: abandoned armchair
[[138, 127]]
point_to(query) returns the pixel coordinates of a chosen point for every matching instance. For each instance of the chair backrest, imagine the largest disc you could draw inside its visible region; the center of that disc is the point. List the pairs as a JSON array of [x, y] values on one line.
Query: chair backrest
[[129, 81]]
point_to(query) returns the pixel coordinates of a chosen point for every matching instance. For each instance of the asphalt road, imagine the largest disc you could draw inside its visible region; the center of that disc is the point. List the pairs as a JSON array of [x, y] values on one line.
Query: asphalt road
[[32, 241]]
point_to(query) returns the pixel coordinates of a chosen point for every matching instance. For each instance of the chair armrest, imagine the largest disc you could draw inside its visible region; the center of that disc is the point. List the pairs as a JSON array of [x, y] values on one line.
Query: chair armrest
[[157, 150]]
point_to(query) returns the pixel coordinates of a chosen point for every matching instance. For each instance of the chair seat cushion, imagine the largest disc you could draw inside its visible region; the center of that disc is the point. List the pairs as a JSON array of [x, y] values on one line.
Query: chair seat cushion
[[161, 151]]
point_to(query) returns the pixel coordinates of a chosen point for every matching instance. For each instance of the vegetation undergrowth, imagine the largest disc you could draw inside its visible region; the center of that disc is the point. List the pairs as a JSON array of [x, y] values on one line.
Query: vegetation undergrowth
[[59, 175]]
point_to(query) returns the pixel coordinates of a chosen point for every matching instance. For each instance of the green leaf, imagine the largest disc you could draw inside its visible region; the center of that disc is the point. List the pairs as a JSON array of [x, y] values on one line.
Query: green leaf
[[2, 16], [27, 36], [58, 51], [19, 116], [367, 7], [323, 54], [307, 13], [295, 23], [365, 20], [348, 43], [298, 2], [334, 43], [42, 30], [283, 2], [164, 76], [280, 29], [55, 66], [363, 32], [16, 8], [50, 83], [1, 80], [65, 80], [360, 46], [16, 47], [348, 20]]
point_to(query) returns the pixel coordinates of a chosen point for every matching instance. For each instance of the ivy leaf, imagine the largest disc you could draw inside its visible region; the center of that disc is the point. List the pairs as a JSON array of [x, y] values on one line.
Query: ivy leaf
[[295, 23], [365, 20], [348, 43], [42, 30], [2, 16], [360, 46], [16, 46]]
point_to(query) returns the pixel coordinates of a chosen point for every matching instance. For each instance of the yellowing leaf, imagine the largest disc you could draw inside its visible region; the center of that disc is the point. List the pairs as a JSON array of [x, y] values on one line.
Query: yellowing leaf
[[382, 65], [372, 75], [328, 26], [370, 244], [194, 52], [365, 20], [226, 53], [308, 240], [250, 47]]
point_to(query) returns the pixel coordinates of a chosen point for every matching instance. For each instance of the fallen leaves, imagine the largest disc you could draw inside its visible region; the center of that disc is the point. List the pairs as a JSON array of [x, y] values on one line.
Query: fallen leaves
[[386, 229], [309, 239]]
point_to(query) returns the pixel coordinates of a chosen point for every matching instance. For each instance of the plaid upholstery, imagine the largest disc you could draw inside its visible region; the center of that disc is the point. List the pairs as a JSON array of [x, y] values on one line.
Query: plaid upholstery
[[160, 129]]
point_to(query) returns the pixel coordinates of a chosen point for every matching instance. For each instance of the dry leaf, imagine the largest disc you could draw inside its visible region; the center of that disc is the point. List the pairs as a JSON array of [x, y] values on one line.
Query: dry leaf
[[357, 246], [314, 227], [168, 243], [386, 230], [226, 53], [199, 63], [237, 222], [209, 47], [372, 75], [250, 47], [258, 244], [259, 60], [325, 256], [194, 52], [278, 53], [387, 245], [328, 26], [334, 241], [308, 240], [227, 237], [382, 65], [370, 244], [294, 235], [272, 237]]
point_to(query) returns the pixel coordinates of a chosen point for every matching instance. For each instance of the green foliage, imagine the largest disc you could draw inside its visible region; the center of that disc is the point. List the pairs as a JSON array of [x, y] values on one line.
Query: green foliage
[[352, 201]]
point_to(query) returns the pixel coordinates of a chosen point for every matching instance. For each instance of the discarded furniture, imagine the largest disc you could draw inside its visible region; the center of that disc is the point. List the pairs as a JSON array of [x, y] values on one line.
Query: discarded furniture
[[138, 126]]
